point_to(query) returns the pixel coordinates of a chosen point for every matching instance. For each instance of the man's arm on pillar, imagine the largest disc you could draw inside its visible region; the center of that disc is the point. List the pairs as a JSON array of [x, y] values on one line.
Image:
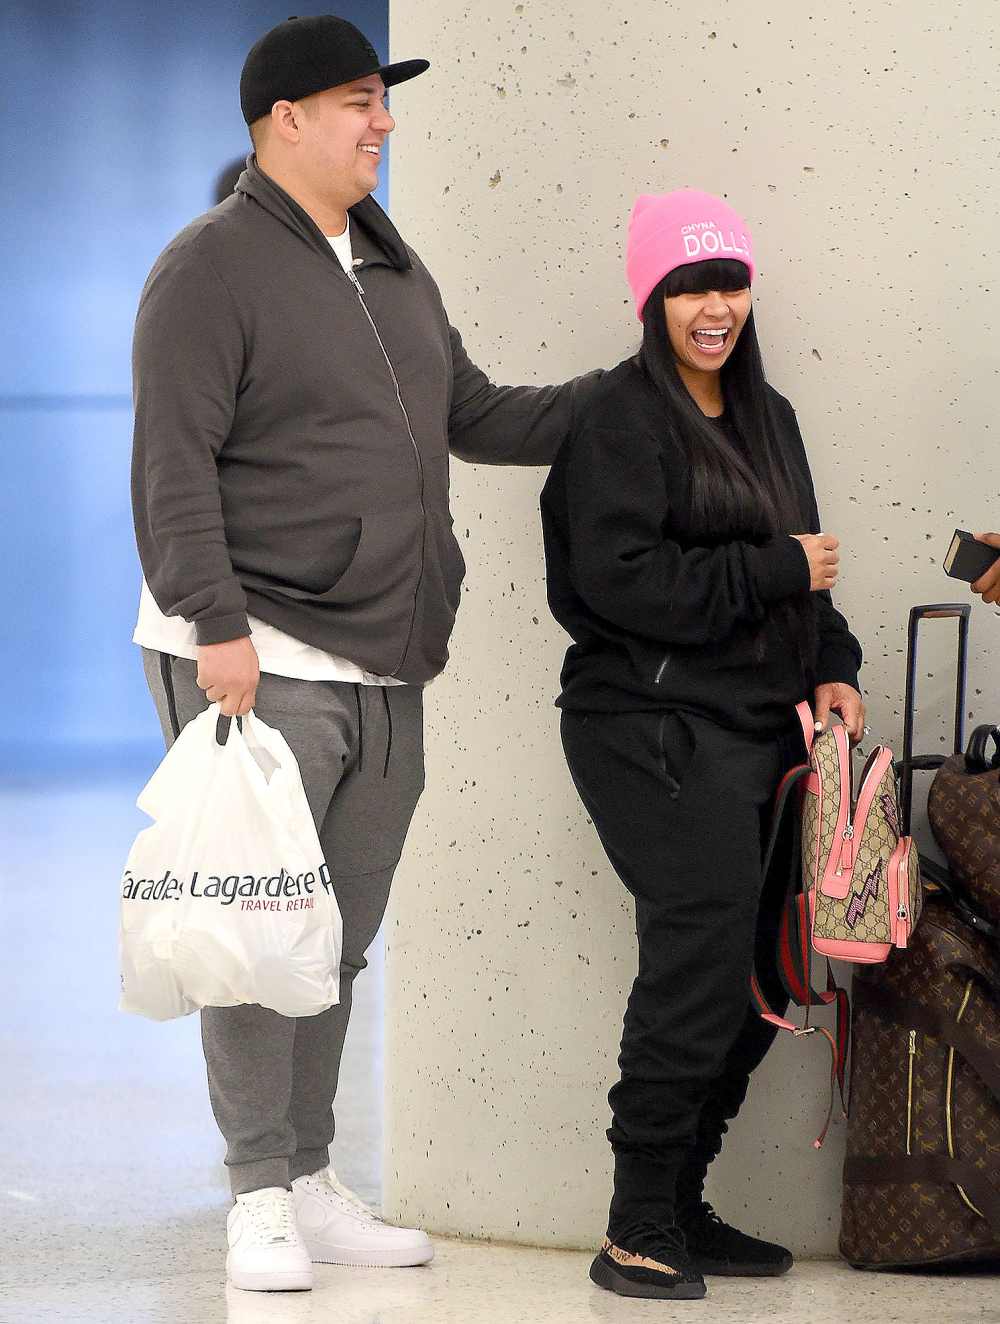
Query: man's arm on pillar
[[490, 424]]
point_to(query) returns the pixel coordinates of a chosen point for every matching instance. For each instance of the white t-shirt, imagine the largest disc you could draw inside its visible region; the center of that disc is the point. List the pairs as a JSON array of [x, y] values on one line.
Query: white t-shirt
[[279, 653], [341, 245]]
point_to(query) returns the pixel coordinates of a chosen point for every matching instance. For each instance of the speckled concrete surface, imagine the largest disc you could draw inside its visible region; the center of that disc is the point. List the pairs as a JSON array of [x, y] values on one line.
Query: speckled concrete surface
[[860, 146]]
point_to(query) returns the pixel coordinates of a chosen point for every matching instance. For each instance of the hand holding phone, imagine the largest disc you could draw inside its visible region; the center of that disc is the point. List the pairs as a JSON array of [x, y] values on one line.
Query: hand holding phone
[[988, 585], [977, 561], [972, 556]]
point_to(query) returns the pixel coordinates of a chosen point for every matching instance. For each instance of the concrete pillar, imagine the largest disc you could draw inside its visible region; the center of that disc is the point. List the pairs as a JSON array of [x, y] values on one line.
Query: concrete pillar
[[859, 144]]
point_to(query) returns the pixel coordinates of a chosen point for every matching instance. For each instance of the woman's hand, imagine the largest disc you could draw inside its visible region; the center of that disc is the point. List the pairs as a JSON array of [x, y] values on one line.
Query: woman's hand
[[846, 701], [988, 585], [821, 549]]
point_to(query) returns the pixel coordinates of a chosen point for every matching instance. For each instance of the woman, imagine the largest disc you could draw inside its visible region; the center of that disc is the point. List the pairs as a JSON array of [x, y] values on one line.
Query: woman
[[684, 556]]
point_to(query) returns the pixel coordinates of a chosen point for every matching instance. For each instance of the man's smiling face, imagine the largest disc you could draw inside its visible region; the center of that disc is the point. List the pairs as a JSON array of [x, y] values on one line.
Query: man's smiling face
[[344, 130]]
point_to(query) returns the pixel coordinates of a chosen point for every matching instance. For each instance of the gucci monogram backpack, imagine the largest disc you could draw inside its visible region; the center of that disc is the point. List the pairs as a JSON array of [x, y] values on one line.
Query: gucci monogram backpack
[[854, 891], [861, 872]]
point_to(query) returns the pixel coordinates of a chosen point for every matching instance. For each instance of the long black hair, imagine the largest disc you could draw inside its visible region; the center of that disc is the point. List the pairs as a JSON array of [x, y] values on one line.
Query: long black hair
[[733, 497]]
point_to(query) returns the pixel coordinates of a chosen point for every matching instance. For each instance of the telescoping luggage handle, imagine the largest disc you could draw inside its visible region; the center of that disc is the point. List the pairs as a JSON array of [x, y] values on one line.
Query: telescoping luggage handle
[[948, 886], [929, 762]]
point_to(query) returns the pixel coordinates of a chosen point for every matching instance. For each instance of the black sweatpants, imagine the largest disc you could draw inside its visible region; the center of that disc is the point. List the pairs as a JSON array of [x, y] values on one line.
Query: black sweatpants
[[682, 807]]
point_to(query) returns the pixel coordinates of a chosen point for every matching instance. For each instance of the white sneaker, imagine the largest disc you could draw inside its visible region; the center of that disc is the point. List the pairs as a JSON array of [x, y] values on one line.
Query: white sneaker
[[339, 1228], [266, 1253]]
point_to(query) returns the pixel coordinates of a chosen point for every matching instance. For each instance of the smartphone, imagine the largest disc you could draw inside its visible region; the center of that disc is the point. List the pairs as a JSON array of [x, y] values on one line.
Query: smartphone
[[968, 559]]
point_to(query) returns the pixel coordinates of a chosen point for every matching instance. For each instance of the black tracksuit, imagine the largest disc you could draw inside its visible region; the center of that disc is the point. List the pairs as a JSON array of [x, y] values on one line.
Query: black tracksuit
[[678, 721]]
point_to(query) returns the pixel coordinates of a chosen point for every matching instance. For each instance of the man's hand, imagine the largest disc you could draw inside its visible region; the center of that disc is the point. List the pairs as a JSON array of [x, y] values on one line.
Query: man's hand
[[229, 674], [988, 585], [847, 702], [823, 555]]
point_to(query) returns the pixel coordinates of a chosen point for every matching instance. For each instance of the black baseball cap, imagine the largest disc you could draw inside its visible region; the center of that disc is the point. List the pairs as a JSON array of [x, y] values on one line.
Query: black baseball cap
[[306, 55]]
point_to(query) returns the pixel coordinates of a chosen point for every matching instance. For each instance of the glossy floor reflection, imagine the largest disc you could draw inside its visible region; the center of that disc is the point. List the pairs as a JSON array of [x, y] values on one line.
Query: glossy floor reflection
[[470, 1283], [112, 1190]]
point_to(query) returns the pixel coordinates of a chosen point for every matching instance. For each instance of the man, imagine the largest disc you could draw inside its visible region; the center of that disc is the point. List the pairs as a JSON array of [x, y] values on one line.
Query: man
[[297, 389]]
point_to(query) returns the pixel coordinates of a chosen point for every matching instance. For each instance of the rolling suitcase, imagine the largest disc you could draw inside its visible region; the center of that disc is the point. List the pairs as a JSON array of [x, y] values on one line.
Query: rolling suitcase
[[964, 813], [922, 1171]]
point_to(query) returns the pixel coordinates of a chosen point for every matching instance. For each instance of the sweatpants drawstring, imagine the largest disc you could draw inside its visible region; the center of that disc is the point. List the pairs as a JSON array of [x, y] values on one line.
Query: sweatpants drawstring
[[167, 677], [388, 743], [361, 729]]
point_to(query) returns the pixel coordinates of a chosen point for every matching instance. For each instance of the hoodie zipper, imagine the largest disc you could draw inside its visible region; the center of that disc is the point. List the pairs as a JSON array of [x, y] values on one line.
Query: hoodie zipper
[[413, 442]]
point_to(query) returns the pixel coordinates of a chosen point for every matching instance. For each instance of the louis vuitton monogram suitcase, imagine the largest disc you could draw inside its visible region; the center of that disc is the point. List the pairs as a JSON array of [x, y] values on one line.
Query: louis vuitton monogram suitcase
[[964, 813], [922, 1172]]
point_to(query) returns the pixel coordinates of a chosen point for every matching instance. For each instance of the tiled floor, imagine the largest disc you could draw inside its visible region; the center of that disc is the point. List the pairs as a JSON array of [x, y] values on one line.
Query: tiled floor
[[112, 1192]]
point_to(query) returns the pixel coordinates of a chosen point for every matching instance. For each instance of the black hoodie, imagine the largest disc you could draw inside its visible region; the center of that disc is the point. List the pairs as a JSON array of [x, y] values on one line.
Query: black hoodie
[[658, 623], [292, 430]]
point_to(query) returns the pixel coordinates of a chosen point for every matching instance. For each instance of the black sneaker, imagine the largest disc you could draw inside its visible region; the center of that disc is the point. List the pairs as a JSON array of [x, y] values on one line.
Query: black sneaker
[[652, 1262], [718, 1249]]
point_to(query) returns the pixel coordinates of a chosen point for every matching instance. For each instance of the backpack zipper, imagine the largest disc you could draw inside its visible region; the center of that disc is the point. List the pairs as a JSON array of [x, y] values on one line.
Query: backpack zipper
[[413, 442], [847, 849], [846, 858], [841, 850], [902, 926], [909, 1091]]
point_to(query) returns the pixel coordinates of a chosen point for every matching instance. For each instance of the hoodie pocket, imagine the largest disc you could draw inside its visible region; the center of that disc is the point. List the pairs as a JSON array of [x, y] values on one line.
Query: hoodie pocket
[[383, 569], [677, 744], [340, 551], [386, 563], [304, 572]]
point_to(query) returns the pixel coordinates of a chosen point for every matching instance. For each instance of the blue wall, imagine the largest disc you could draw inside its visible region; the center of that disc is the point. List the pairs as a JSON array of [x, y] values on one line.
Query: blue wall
[[119, 120]]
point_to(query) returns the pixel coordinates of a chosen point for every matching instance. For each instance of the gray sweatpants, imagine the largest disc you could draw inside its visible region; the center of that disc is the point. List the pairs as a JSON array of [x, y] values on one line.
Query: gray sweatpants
[[272, 1079]]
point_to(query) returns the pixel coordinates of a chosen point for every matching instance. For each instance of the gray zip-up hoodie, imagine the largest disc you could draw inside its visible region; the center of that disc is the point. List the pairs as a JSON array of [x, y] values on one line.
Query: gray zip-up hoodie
[[292, 429]]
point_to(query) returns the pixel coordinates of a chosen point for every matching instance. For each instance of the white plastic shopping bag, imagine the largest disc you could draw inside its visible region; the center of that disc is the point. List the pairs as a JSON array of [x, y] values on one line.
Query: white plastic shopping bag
[[226, 899]]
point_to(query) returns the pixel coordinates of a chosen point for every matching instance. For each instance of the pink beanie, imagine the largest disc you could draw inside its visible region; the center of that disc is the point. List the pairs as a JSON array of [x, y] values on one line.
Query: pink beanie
[[670, 230]]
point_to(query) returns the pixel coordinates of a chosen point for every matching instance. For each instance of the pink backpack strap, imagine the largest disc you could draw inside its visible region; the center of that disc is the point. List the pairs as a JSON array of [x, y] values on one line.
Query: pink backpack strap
[[805, 716]]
